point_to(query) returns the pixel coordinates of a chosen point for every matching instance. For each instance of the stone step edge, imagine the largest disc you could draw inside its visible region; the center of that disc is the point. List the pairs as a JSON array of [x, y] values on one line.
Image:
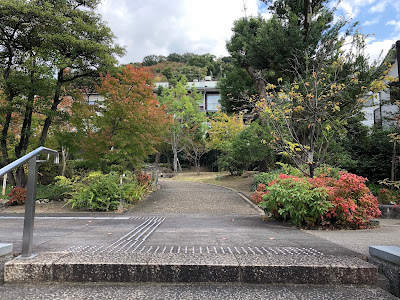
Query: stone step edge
[[359, 272]]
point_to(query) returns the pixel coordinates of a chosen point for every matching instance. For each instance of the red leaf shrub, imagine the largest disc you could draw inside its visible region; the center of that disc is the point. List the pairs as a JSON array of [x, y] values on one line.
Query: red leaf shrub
[[353, 202], [143, 179], [17, 196], [259, 193]]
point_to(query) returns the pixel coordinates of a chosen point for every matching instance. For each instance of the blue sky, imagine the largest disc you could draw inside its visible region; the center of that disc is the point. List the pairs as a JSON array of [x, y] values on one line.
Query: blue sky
[[380, 19], [162, 27]]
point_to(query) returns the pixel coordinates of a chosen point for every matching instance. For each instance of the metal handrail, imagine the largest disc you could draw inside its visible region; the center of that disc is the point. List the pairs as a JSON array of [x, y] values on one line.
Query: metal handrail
[[32, 159], [27, 157]]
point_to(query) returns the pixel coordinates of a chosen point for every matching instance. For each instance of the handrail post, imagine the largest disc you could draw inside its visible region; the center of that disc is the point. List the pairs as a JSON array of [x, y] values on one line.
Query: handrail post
[[30, 208]]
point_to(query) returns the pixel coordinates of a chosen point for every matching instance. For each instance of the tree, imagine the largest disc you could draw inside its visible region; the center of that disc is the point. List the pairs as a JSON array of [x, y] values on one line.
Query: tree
[[151, 60], [235, 89], [308, 114], [266, 49], [223, 129], [195, 146], [129, 124], [44, 46], [183, 105]]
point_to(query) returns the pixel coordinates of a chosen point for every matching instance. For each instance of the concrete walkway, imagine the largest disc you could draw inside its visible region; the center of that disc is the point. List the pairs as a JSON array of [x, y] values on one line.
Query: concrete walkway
[[181, 215], [188, 223]]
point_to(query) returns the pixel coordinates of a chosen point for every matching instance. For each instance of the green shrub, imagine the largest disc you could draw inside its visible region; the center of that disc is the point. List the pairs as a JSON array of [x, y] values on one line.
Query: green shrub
[[47, 171], [60, 190], [103, 192], [295, 200], [267, 177], [344, 202]]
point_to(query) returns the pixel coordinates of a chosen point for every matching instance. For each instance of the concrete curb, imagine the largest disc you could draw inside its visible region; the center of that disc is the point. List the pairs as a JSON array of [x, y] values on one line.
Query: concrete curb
[[301, 269]]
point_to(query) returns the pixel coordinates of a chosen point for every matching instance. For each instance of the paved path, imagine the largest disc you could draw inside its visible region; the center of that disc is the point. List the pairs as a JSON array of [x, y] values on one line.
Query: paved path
[[180, 218], [181, 197]]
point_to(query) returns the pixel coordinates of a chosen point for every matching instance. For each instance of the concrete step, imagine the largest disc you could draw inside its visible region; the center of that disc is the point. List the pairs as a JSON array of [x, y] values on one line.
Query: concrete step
[[194, 291], [194, 267]]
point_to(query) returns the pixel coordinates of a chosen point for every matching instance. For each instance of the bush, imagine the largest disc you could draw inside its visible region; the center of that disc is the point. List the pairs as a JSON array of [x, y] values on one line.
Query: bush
[[266, 178], [17, 196], [344, 202], [143, 179], [60, 190], [103, 192], [296, 200], [47, 172], [385, 196], [354, 204]]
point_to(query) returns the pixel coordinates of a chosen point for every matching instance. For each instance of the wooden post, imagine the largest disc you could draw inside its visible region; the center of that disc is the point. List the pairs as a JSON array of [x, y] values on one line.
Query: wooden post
[[4, 184]]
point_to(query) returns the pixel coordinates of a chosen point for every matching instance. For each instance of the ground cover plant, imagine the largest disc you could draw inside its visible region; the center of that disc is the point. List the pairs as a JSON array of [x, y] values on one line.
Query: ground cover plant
[[331, 199], [104, 192]]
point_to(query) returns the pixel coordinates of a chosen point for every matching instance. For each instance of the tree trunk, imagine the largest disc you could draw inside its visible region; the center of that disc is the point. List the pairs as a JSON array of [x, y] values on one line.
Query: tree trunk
[[175, 152], [168, 161], [157, 158], [393, 170], [56, 102], [311, 166], [262, 165], [257, 80], [64, 155], [20, 179], [198, 169], [3, 142]]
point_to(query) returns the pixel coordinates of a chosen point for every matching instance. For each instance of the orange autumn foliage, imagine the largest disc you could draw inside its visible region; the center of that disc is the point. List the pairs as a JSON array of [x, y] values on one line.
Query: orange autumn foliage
[[130, 122]]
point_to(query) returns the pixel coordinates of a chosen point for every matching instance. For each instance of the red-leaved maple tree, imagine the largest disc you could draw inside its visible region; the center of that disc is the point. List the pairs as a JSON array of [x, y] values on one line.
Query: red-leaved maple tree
[[129, 123]]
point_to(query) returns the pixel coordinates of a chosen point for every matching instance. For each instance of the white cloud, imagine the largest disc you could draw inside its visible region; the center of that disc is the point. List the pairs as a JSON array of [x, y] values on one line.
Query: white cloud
[[162, 27], [379, 7], [372, 22], [353, 7], [378, 49], [394, 23]]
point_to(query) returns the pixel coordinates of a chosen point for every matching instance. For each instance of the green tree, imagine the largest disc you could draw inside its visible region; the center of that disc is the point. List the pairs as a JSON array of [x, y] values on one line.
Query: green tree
[[45, 46], [183, 105], [235, 89], [308, 114], [268, 49]]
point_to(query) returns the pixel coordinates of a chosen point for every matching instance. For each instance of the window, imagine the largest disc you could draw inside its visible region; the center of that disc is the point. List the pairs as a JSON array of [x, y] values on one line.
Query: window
[[213, 102]]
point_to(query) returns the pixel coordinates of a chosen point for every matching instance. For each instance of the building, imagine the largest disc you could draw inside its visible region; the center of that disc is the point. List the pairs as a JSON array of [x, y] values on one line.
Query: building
[[381, 107], [208, 88]]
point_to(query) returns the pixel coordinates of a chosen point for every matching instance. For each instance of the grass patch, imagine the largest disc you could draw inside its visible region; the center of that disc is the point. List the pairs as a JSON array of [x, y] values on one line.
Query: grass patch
[[237, 183]]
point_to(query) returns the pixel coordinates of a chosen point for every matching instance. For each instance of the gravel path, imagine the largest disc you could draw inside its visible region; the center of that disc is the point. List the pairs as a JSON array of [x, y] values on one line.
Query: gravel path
[[182, 197]]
